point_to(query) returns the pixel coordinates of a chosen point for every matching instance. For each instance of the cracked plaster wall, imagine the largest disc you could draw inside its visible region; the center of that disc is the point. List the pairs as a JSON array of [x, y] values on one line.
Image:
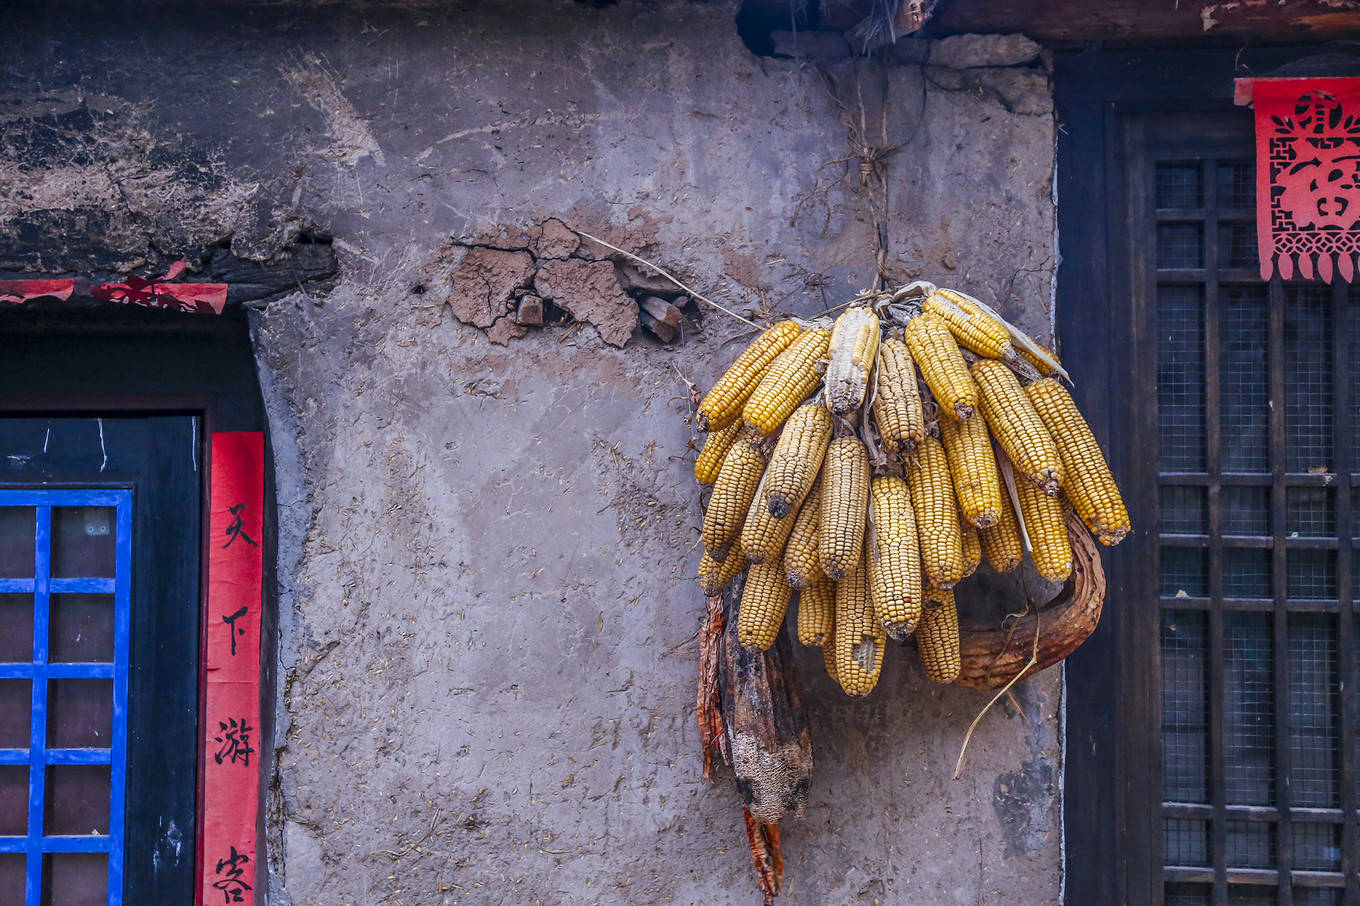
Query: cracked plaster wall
[[487, 609]]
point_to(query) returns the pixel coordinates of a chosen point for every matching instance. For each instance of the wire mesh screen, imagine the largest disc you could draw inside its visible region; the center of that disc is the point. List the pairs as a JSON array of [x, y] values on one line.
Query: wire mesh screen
[[1313, 738], [1185, 706], [1235, 181], [1310, 512], [1178, 184], [1185, 510], [1245, 510], [1317, 847], [1185, 841], [1249, 710], [1180, 245], [1308, 379], [1317, 896], [1246, 572], [1244, 379], [1180, 377], [1251, 844], [1251, 895], [1187, 894]]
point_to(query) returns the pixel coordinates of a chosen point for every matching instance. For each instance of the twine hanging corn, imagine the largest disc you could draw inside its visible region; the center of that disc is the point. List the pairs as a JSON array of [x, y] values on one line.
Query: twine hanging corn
[[801, 566], [788, 381], [797, 458], [1046, 526], [854, 347], [972, 466], [1017, 426], [732, 495], [937, 520], [764, 601], [845, 501], [714, 575], [937, 639], [897, 399], [710, 458], [723, 404], [1088, 481], [859, 635], [817, 612], [1002, 543], [894, 557], [974, 329], [937, 355]]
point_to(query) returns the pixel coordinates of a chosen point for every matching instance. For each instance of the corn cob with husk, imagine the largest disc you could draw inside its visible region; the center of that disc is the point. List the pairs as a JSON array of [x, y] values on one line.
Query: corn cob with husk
[[897, 399], [817, 612], [1089, 484], [859, 634], [854, 348], [845, 501], [797, 459], [1045, 525], [937, 519], [972, 548], [894, 557], [974, 329], [972, 466], [1017, 426], [801, 566], [936, 353], [762, 536], [738, 480], [714, 575], [1001, 543], [723, 404], [788, 381], [764, 601], [710, 458], [937, 638]]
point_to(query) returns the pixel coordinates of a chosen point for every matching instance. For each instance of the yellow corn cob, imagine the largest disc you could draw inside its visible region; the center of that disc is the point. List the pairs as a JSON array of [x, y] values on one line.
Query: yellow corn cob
[[723, 404], [937, 355], [972, 548], [897, 399], [937, 519], [972, 465], [801, 566], [937, 641], [764, 601], [797, 458], [715, 447], [714, 575], [973, 328], [1088, 481], [894, 557], [1043, 367], [854, 347], [1017, 427], [788, 381], [817, 612], [1046, 527], [1002, 543], [845, 501], [829, 657], [933, 598], [733, 492], [763, 537], [859, 635]]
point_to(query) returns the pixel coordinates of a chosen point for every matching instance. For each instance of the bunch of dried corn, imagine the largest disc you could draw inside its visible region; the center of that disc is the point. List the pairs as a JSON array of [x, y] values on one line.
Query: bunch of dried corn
[[869, 465]]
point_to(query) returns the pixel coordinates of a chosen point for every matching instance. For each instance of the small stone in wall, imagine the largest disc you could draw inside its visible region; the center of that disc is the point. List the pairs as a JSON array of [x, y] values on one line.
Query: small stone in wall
[[970, 51], [589, 292]]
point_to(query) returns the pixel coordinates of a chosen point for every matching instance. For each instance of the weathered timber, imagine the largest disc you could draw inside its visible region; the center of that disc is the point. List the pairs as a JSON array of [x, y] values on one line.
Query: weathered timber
[[767, 728], [993, 655]]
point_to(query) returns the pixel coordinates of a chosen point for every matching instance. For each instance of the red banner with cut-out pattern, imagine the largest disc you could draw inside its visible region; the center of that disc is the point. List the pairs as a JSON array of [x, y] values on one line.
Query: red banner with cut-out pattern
[[1307, 175], [230, 761]]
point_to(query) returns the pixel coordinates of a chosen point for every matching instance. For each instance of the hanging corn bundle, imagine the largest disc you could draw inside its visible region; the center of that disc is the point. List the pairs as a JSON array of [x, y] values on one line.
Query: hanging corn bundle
[[870, 464]]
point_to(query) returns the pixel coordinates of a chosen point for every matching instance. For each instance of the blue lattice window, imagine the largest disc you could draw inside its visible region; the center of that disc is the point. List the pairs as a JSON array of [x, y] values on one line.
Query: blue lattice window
[[65, 564]]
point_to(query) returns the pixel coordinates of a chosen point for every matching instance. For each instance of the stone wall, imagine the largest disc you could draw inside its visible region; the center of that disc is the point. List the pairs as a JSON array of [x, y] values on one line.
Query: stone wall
[[488, 527]]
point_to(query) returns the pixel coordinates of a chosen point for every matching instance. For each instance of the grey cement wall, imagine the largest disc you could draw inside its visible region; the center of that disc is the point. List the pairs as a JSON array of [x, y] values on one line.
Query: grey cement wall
[[488, 650]]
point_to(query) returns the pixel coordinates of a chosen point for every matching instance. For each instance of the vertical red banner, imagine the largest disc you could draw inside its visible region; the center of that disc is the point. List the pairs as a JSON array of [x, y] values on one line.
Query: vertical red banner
[[231, 744]]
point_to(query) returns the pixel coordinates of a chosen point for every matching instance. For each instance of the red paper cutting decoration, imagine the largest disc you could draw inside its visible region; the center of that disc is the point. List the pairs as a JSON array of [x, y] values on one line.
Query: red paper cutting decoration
[[1307, 176], [28, 290]]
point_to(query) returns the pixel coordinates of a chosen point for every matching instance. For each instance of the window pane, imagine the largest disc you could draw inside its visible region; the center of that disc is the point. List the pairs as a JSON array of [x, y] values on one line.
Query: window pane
[[81, 628], [1178, 184], [1180, 245], [1248, 720], [82, 542], [1187, 894], [1237, 245], [1185, 511], [1311, 574], [1310, 512], [1245, 511], [1246, 572], [1185, 572], [75, 879], [77, 800], [80, 713], [1180, 377], [1250, 844], [1313, 708], [1185, 841], [16, 629], [1317, 896], [16, 704], [13, 801], [13, 867], [1317, 847], [1235, 181], [1251, 895], [1308, 379], [17, 525], [1185, 708], [1244, 379]]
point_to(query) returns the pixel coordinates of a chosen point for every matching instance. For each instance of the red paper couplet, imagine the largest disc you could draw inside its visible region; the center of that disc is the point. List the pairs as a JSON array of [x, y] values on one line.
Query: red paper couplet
[[28, 290], [230, 765], [1307, 176]]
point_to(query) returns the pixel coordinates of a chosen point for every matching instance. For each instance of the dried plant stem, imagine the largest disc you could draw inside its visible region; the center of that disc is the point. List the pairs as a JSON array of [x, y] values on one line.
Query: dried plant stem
[[1004, 690]]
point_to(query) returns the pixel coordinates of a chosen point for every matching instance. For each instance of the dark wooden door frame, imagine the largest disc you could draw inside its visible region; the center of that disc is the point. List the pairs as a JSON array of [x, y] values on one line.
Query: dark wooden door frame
[[1112, 792]]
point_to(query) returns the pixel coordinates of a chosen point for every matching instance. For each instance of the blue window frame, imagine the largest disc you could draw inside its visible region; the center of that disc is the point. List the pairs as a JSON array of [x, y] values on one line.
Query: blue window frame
[[38, 756]]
